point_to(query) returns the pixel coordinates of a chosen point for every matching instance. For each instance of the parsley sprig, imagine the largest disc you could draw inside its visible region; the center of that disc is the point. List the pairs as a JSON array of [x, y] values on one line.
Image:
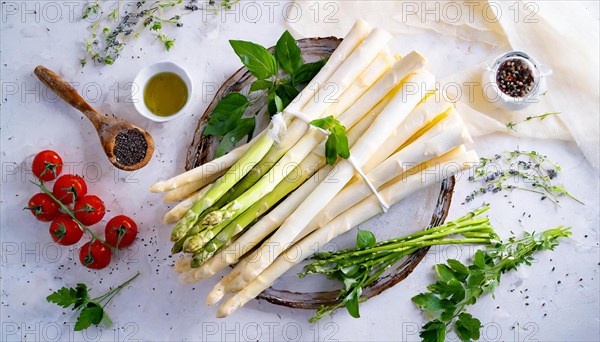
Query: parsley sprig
[[92, 309], [279, 75], [359, 267], [459, 286]]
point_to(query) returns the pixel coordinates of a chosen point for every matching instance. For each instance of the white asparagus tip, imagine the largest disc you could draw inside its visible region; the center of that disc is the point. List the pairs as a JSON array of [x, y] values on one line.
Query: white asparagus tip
[[215, 295], [203, 273], [157, 187], [230, 306]]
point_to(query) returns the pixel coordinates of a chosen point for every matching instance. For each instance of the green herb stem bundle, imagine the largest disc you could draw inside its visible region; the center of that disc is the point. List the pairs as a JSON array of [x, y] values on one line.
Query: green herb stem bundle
[[358, 267]]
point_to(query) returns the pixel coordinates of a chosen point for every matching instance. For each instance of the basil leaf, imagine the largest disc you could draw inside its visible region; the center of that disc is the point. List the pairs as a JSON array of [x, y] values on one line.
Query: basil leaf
[[288, 54], [256, 58], [278, 104], [365, 239], [260, 85], [242, 129], [287, 93], [227, 114], [337, 142], [307, 72]]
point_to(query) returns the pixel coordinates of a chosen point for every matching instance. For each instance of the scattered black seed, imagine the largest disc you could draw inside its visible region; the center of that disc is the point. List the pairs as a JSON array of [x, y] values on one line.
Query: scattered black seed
[[130, 147]]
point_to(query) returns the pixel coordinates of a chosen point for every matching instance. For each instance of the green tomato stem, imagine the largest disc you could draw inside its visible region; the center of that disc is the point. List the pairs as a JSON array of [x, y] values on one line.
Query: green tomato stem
[[71, 214]]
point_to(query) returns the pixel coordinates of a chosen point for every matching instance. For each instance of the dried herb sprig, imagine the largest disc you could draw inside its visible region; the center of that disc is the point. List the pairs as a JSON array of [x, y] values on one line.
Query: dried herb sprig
[[519, 170], [109, 34], [511, 125]]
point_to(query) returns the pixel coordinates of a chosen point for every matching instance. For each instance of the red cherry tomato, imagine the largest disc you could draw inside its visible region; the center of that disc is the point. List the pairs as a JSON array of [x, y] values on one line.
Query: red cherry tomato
[[65, 231], [95, 255], [43, 207], [47, 165], [68, 188], [89, 209], [120, 231]]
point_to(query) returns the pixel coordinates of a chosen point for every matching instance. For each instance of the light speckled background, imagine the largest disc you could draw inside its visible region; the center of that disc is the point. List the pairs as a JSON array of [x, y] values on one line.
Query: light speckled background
[[555, 300]]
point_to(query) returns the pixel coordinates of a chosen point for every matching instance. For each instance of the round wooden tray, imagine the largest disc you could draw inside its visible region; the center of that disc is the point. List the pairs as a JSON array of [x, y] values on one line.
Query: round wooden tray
[[203, 149]]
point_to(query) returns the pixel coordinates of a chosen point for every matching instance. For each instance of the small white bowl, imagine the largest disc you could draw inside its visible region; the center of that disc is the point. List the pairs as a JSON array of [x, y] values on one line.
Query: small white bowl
[[141, 80]]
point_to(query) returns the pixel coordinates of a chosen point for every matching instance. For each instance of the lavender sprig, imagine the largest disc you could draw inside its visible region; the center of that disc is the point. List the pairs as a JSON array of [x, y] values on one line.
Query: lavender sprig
[[519, 170]]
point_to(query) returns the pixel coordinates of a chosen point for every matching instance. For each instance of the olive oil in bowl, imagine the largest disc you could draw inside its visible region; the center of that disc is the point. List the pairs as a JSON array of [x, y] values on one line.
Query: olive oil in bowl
[[165, 94]]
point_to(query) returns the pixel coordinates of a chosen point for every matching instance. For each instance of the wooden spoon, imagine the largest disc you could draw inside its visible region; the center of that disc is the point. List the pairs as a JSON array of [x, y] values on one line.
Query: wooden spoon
[[108, 127]]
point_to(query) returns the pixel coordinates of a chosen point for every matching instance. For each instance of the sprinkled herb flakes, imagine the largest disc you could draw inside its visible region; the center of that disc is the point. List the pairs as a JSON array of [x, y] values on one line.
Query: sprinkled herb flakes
[[519, 170], [109, 34]]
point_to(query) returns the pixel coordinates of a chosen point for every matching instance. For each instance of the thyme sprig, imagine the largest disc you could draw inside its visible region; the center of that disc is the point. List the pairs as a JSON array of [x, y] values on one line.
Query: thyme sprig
[[511, 125], [519, 170], [109, 34]]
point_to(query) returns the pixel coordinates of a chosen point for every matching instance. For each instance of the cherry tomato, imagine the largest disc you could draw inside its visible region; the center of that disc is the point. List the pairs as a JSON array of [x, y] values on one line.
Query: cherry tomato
[[65, 231], [89, 209], [47, 165], [68, 188], [120, 231], [43, 207], [95, 255]]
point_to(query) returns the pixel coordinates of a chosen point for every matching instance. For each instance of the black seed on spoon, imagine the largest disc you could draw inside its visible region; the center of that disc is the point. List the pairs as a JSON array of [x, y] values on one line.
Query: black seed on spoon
[[130, 147]]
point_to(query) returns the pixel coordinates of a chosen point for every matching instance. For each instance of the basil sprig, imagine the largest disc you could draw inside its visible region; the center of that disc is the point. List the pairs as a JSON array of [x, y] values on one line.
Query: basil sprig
[[279, 75]]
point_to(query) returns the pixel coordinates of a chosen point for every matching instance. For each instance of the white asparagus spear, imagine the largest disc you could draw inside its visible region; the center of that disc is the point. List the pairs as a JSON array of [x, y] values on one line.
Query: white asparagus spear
[[423, 114], [382, 63], [395, 112], [358, 214], [205, 170], [177, 212], [351, 41], [181, 193], [346, 74], [357, 34]]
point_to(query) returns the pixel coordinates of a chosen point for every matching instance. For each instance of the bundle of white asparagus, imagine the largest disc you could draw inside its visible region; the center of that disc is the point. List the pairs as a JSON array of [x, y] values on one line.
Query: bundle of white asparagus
[[277, 194]]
